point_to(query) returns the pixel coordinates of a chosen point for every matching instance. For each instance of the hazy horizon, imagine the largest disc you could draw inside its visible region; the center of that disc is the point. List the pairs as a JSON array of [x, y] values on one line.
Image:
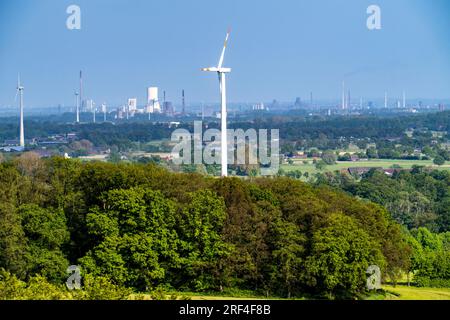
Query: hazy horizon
[[279, 50]]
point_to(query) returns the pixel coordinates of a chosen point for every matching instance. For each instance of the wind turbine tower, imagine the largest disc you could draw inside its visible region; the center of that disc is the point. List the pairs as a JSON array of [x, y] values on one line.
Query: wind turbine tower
[[385, 100], [221, 72], [20, 92], [78, 107], [104, 111]]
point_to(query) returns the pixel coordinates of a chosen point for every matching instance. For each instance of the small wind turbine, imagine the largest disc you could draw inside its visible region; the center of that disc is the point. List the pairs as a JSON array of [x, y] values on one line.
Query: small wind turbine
[[221, 73], [20, 93]]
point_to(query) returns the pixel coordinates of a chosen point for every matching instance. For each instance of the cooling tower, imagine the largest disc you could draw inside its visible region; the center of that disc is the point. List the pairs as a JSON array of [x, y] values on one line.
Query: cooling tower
[[152, 100]]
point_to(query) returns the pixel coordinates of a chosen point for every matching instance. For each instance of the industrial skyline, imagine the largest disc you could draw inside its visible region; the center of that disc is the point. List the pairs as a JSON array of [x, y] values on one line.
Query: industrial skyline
[[274, 60]]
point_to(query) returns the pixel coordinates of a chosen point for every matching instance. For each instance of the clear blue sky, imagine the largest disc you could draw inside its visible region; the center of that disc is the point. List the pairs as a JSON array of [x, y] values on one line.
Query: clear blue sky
[[278, 49]]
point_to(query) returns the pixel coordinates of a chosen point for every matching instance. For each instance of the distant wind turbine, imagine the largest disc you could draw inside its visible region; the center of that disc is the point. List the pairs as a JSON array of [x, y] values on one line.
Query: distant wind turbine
[[104, 111], [78, 107], [221, 73], [20, 93], [385, 100]]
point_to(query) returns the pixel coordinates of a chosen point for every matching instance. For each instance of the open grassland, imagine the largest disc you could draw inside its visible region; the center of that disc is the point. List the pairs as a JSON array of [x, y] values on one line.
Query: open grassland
[[403, 292], [381, 163]]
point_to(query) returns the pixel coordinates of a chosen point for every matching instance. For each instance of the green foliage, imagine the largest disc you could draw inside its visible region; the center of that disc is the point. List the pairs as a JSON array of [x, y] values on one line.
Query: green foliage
[[320, 165], [101, 288], [38, 288], [138, 227], [416, 198], [46, 231], [201, 223], [288, 244], [12, 240], [372, 153], [138, 238], [329, 157], [341, 253], [439, 160], [431, 261]]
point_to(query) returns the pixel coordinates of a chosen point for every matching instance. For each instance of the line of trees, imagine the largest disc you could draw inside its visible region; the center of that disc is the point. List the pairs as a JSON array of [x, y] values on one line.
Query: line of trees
[[141, 227]]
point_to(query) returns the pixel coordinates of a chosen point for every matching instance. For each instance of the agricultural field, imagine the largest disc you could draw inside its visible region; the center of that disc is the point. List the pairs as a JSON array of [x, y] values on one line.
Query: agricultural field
[[340, 165]]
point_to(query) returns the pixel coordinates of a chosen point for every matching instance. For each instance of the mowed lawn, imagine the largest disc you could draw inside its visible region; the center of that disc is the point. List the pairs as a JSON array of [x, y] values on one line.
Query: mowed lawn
[[400, 292], [415, 293], [340, 165]]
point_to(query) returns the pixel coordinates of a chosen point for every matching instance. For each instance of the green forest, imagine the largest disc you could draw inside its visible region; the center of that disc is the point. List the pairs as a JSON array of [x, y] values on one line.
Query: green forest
[[138, 228]]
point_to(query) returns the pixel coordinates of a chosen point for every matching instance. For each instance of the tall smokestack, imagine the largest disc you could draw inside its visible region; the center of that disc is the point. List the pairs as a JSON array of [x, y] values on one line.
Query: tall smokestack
[[348, 100], [343, 95], [81, 90], [311, 99], [385, 100], [21, 129], [404, 100], [183, 102], [77, 102]]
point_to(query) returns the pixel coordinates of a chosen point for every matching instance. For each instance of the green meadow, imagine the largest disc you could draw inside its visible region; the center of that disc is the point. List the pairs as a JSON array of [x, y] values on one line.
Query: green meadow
[[340, 165], [415, 293]]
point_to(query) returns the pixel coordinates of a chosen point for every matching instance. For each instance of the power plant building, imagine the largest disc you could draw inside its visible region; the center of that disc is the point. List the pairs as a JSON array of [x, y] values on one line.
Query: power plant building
[[132, 104], [153, 105]]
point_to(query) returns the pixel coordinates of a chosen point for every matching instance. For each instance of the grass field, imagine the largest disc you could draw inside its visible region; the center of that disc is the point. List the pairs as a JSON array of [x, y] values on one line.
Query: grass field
[[400, 292], [386, 164], [415, 293]]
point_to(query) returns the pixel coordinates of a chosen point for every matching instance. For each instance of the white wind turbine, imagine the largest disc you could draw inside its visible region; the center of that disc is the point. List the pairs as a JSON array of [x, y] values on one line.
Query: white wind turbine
[[77, 107], [20, 93], [221, 73], [104, 111]]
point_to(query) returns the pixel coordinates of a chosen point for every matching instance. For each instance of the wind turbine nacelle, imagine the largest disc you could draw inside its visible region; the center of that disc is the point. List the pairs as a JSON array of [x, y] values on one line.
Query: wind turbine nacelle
[[215, 69], [212, 69]]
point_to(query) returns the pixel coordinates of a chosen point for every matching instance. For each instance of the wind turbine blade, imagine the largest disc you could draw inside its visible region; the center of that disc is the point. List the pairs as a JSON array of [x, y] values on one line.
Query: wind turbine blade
[[223, 50], [15, 98]]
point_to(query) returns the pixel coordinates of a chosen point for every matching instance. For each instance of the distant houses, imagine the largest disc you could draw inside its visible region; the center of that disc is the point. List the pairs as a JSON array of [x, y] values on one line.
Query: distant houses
[[359, 171], [12, 149]]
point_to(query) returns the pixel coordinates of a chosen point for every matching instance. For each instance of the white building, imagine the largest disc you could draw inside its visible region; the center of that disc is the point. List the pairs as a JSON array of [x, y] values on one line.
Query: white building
[[132, 104], [153, 105]]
